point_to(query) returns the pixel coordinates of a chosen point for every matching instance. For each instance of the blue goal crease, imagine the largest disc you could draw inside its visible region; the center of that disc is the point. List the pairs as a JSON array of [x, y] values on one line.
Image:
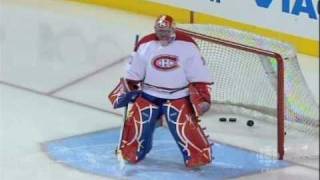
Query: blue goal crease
[[95, 153]]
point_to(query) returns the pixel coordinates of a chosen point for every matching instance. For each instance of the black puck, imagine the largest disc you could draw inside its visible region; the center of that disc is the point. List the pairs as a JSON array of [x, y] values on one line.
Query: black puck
[[250, 123], [232, 119], [222, 119]]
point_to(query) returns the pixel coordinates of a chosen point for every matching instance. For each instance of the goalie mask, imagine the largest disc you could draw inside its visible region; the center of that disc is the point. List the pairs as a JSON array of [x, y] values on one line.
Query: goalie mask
[[165, 29]]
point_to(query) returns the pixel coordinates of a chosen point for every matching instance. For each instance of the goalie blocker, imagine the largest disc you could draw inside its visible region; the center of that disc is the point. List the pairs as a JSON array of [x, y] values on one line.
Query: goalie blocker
[[182, 116], [200, 97]]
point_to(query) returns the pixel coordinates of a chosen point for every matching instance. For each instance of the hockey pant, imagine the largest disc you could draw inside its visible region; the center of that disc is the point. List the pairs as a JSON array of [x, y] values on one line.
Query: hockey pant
[[138, 130]]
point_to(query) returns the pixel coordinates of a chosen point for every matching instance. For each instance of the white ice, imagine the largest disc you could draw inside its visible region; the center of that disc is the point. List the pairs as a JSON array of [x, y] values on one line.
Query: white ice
[[55, 76]]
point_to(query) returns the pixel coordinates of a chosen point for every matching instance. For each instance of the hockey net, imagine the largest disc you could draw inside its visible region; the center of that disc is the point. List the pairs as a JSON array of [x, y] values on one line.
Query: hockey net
[[259, 78]]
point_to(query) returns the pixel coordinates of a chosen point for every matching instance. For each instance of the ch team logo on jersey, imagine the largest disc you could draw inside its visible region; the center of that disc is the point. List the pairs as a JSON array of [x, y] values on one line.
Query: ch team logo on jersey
[[165, 62]]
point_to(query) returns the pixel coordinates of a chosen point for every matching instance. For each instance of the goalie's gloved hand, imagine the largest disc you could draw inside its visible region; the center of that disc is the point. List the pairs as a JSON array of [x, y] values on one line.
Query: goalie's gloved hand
[[133, 89], [203, 107], [126, 91], [132, 85], [200, 97]]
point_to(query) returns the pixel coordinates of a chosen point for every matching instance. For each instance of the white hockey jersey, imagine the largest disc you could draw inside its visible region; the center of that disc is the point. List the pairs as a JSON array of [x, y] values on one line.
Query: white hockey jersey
[[166, 71]]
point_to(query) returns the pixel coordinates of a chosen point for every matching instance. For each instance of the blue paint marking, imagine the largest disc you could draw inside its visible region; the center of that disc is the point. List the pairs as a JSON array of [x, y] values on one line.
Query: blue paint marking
[[95, 153], [299, 6]]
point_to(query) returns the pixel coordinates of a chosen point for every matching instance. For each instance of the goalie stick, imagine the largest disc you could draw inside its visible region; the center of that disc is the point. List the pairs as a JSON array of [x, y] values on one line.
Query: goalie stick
[[118, 151]]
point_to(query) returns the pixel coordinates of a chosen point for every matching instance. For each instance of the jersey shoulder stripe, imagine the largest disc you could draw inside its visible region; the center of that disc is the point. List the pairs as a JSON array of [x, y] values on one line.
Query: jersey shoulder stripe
[[181, 36], [146, 39]]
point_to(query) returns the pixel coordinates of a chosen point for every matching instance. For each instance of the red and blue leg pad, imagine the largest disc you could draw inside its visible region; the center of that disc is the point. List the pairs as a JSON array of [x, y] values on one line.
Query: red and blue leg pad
[[188, 134], [138, 130]]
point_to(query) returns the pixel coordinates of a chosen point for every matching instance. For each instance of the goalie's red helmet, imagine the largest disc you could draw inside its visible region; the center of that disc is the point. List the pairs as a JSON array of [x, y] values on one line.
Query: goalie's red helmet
[[165, 29], [165, 22]]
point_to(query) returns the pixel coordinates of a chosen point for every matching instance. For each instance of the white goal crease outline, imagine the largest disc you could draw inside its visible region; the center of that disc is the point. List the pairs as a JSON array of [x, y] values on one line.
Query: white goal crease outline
[[44, 149]]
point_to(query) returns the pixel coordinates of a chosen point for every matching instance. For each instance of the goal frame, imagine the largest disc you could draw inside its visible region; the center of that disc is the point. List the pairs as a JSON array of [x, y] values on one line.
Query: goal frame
[[280, 78]]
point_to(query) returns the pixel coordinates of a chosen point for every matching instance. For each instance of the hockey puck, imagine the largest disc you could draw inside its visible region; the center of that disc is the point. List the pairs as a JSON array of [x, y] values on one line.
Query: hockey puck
[[250, 123], [222, 119], [232, 119]]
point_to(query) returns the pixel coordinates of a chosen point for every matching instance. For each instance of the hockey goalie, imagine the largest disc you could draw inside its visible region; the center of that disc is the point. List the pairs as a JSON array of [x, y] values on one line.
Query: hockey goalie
[[166, 76]]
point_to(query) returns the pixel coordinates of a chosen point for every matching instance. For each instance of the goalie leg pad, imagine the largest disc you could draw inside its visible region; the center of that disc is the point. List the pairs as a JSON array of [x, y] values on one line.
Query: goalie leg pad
[[136, 139], [188, 134]]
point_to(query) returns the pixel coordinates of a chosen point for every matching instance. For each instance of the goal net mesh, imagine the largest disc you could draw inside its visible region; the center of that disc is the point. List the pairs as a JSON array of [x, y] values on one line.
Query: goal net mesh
[[246, 84]]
